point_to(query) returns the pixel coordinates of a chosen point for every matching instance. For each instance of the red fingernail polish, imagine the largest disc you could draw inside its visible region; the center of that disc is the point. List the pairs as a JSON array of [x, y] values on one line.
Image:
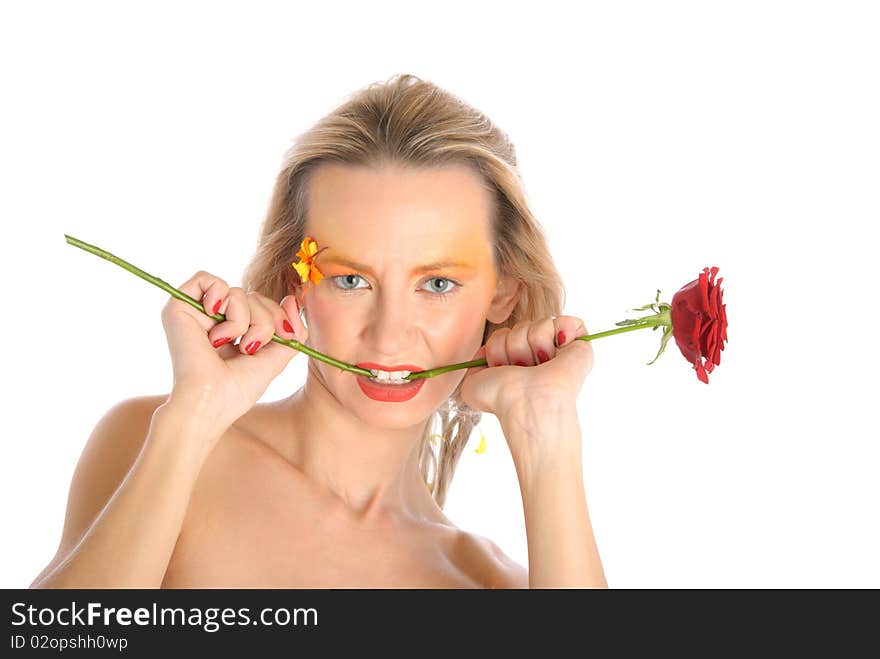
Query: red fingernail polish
[[521, 364], [220, 342], [251, 347], [560, 338], [542, 356], [287, 327], [217, 306]]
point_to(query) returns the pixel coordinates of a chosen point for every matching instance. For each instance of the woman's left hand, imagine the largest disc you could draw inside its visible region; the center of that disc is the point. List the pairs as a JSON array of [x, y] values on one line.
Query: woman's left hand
[[548, 379]]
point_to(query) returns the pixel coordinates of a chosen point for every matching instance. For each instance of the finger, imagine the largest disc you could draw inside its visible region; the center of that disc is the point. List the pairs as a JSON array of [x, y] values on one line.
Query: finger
[[238, 318], [270, 360], [479, 354], [573, 327], [290, 309], [262, 325], [267, 359], [215, 297], [496, 351], [197, 287], [568, 328], [519, 353], [474, 393], [541, 340]]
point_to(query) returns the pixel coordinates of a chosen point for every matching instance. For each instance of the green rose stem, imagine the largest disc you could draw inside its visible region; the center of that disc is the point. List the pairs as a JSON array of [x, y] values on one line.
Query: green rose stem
[[180, 295], [656, 320], [648, 321]]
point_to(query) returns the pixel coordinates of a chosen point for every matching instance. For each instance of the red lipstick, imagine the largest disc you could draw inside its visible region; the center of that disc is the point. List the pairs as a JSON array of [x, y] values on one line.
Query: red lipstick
[[390, 393]]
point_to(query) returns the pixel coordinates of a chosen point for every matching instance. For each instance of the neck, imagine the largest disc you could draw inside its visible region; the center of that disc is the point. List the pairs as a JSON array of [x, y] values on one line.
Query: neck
[[373, 471]]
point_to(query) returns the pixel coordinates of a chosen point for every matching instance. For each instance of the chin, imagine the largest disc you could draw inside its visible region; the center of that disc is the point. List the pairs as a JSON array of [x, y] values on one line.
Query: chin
[[398, 415]]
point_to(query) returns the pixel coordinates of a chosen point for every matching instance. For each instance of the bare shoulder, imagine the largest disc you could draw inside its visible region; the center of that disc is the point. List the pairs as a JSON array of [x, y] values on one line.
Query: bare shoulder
[[492, 567], [106, 458], [117, 438], [510, 573], [112, 447]]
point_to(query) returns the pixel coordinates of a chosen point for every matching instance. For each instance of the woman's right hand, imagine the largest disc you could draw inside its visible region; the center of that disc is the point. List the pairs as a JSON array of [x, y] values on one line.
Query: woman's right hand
[[214, 377]]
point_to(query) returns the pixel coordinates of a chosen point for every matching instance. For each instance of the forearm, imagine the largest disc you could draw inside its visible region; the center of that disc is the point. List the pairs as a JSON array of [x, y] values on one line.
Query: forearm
[[132, 539], [562, 548]]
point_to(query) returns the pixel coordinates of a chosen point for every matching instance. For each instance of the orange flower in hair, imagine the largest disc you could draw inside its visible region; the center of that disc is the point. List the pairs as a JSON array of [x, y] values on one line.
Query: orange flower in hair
[[306, 267]]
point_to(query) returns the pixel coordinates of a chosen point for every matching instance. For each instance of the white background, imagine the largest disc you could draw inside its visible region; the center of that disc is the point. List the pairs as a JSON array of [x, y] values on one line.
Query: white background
[[654, 139]]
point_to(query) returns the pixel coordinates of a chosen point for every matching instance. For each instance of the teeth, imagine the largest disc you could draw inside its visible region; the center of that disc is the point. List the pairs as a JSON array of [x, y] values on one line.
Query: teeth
[[390, 377]]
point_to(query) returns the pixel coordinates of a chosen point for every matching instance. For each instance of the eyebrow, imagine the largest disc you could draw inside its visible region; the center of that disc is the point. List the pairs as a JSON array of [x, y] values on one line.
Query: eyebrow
[[437, 265]]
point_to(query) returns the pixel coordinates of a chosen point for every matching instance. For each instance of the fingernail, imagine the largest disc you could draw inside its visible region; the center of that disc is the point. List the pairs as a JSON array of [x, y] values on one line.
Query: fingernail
[[560, 338], [287, 327], [542, 356], [217, 306], [521, 364], [251, 347], [220, 342]]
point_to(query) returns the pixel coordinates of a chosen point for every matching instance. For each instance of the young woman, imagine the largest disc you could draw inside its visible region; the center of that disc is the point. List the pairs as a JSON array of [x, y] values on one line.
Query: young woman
[[416, 250]]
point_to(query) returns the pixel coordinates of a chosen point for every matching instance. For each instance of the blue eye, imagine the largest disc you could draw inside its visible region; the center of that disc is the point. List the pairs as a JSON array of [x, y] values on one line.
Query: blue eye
[[446, 290], [440, 294], [333, 279]]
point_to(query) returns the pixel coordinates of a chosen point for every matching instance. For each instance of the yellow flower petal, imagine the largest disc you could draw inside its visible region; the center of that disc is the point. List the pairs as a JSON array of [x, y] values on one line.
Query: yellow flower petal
[[482, 447], [307, 268], [303, 270]]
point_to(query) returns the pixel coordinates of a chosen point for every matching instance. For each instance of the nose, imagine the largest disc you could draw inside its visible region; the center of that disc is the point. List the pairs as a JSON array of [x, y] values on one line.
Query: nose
[[392, 327]]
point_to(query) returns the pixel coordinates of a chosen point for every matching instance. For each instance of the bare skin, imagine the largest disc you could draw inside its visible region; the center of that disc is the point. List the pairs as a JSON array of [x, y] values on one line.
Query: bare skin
[[323, 488], [255, 520], [315, 491]]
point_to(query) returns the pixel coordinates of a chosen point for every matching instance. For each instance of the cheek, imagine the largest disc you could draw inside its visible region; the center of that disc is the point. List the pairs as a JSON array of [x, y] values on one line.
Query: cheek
[[323, 319], [453, 332]]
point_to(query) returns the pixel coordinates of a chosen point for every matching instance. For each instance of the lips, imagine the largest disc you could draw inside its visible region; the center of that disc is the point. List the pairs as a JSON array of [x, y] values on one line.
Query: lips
[[390, 393]]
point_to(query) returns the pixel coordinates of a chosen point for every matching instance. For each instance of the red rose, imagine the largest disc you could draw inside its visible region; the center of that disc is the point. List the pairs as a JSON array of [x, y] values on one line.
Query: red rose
[[699, 322]]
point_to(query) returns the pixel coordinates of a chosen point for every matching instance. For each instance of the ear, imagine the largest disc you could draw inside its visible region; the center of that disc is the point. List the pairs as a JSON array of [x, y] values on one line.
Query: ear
[[296, 288], [507, 294]]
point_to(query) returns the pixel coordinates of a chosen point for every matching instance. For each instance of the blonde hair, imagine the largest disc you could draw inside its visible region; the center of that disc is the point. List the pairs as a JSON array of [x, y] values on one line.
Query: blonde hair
[[409, 121]]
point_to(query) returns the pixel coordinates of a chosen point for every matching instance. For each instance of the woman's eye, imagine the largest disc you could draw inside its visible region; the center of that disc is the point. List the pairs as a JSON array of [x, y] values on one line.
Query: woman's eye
[[347, 278], [445, 287]]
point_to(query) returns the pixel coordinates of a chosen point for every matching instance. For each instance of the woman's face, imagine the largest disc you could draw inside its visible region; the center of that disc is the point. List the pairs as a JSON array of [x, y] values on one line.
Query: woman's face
[[394, 307]]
